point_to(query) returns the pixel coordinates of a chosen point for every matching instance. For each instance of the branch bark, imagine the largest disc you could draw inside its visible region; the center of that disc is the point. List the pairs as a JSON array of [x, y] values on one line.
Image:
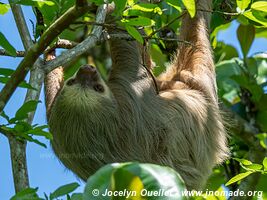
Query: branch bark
[[21, 24], [82, 47], [18, 148], [19, 164], [19, 53], [37, 49]]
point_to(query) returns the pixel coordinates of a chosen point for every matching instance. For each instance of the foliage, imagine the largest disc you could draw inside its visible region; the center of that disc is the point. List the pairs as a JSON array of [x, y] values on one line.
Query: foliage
[[65, 190], [23, 130], [141, 180], [250, 168], [241, 79]]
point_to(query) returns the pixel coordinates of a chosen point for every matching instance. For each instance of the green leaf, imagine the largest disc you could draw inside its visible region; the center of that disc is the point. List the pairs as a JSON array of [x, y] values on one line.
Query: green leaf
[[120, 5], [159, 58], [22, 127], [26, 194], [131, 2], [217, 29], [259, 6], [256, 17], [7, 46], [175, 4], [30, 139], [138, 21], [23, 84], [4, 8], [246, 35], [99, 182], [25, 109], [77, 196], [243, 4], [265, 163], [263, 139], [6, 72], [261, 33], [250, 84], [254, 167], [224, 52], [146, 7], [38, 3], [134, 33], [50, 13], [224, 71], [64, 190], [238, 177], [4, 115], [133, 177], [261, 119], [190, 6], [40, 132], [243, 161]]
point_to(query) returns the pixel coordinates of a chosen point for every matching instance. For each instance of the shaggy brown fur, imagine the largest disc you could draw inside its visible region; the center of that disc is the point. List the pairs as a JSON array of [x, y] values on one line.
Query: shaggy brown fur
[[127, 121]]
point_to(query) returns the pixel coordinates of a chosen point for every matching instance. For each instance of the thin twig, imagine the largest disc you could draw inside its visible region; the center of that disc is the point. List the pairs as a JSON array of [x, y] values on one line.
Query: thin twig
[[166, 25], [21, 25], [3, 52], [18, 148], [219, 12], [63, 44], [37, 49], [36, 75], [82, 47]]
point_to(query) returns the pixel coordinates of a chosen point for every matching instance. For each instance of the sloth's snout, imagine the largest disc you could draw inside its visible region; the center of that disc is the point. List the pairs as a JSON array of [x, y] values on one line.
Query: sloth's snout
[[87, 75], [87, 72], [87, 69]]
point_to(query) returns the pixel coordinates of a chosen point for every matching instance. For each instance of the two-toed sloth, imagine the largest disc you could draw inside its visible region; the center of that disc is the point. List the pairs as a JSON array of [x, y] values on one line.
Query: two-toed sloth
[[95, 122]]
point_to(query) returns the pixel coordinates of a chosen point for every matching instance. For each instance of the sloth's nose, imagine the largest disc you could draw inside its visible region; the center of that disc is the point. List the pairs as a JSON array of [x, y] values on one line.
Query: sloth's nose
[[87, 69], [86, 75]]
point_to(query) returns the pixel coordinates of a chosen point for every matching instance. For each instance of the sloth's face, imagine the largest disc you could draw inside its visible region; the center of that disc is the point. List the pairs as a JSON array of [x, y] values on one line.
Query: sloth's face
[[86, 89], [87, 78]]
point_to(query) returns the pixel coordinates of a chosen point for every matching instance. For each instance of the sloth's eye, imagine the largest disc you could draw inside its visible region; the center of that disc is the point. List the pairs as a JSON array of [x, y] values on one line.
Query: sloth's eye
[[98, 88], [70, 82]]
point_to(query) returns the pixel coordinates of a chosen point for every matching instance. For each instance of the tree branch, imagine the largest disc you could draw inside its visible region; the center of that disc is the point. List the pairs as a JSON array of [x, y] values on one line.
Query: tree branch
[[36, 76], [37, 49], [21, 24], [61, 43], [18, 148], [82, 47], [219, 12], [19, 164], [19, 53]]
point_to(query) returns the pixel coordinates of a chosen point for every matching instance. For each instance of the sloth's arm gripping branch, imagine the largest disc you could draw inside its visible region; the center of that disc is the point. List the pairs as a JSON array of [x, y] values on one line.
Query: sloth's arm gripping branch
[[54, 81], [126, 58], [194, 63]]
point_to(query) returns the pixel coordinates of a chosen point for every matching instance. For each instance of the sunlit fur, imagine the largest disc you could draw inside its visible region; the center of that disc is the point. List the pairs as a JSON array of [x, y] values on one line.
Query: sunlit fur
[[181, 127]]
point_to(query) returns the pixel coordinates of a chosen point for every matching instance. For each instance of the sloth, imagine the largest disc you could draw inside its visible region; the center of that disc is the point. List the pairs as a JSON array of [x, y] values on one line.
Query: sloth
[[124, 119]]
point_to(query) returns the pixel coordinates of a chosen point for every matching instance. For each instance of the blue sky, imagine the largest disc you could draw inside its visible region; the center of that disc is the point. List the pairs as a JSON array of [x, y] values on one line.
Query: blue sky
[[45, 171]]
